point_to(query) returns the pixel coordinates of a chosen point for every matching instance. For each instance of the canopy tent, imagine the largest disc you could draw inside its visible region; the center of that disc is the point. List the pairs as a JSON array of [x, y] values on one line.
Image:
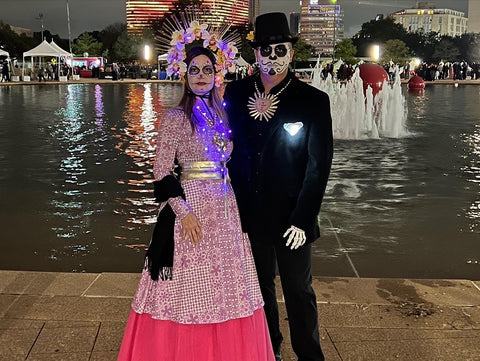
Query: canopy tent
[[59, 49], [241, 61], [162, 57], [44, 49], [4, 53]]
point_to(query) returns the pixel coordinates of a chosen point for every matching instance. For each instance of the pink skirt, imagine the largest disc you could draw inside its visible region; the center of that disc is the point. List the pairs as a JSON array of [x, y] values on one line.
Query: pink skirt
[[148, 339]]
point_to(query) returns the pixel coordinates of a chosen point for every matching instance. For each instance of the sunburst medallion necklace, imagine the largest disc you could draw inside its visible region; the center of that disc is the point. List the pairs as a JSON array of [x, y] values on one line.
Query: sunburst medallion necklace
[[263, 106]]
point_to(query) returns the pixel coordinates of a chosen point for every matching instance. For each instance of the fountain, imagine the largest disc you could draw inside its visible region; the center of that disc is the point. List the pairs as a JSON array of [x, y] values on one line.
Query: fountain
[[364, 114]]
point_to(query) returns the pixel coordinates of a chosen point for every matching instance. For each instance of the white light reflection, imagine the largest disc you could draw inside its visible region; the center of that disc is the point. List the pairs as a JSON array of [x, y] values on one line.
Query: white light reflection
[[472, 169]]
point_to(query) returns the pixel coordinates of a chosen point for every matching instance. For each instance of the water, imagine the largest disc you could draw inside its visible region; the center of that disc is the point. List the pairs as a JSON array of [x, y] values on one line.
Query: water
[[76, 164]]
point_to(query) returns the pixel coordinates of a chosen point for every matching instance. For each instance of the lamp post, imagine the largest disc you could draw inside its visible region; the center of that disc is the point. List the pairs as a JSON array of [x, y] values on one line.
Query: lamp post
[[40, 17], [69, 33], [334, 3]]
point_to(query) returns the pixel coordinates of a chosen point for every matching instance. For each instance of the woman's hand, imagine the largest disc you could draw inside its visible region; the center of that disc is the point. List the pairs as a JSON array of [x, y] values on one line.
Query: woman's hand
[[191, 228]]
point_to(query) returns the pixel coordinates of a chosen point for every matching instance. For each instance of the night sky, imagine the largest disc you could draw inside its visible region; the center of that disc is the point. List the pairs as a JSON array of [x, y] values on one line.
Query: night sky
[[89, 15]]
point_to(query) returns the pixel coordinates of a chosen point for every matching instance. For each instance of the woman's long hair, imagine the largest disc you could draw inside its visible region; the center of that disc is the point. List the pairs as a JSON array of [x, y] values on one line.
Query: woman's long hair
[[188, 98]]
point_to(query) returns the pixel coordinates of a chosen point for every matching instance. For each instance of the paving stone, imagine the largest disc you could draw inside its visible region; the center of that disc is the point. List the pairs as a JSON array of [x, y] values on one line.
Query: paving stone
[[360, 334], [80, 356], [386, 291], [114, 285], [398, 316], [110, 336], [70, 324], [328, 347], [455, 349], [10, 323], [63, 308], [104, 356], [6, 302], [65, 340], [45, 283], [16, 342]]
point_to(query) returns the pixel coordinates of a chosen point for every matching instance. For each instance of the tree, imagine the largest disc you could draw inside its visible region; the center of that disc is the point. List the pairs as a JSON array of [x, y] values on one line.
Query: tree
[[15, 44], [468, 45], [86, 43], [395, 50], [446, 50], [303, 51], [346, 51], [126, 47], [377, 31], [108, 36]]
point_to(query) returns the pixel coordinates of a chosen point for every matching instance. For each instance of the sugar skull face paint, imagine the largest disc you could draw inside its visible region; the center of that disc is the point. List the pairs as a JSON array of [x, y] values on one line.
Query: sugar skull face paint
[[274, 58]]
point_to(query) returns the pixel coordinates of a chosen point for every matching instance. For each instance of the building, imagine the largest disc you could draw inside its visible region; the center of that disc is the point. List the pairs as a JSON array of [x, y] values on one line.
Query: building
[[321, 25], [295, 23], [426, 18], [253, 11], [474, 16], [140, 13], [19, 31]]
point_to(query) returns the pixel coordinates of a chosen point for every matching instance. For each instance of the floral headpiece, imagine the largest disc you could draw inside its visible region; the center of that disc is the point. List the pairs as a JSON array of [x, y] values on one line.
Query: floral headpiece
[[190, 29]]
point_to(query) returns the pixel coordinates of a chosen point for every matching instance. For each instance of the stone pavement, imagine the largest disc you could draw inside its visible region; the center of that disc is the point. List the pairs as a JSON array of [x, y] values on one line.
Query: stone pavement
[[81, 317]]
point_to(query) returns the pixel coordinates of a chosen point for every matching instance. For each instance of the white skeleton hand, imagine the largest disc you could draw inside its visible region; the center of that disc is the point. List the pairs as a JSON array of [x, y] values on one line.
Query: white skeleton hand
[[297, 237]]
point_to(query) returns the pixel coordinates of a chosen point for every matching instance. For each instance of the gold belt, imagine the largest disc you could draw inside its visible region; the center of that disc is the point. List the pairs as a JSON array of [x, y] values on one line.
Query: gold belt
[[204, 170]]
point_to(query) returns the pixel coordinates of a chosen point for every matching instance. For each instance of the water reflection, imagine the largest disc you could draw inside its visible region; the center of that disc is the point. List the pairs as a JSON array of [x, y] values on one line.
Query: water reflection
[[137, 139], [472, 170], [77, 165]]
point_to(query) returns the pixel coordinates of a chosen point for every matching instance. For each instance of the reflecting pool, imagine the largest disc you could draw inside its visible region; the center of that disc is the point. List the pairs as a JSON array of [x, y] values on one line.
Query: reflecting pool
[[77, 161]]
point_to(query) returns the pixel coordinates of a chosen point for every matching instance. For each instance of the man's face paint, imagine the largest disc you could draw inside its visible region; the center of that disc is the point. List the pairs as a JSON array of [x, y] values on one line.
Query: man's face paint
[[274, 58]]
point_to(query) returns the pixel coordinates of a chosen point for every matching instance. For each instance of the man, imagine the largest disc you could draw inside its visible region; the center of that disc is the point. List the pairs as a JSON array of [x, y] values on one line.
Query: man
[[282, 136]]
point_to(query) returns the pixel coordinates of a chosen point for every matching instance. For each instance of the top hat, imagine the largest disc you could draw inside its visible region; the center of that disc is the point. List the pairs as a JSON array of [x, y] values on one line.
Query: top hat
[[272, 28]]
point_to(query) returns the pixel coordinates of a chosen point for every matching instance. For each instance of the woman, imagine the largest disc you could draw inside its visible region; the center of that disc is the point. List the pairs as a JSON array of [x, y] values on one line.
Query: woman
[[208, 306]]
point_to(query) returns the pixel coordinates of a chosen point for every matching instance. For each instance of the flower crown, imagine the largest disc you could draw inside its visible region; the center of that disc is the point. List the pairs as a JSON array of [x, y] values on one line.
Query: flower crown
[[189, 29]]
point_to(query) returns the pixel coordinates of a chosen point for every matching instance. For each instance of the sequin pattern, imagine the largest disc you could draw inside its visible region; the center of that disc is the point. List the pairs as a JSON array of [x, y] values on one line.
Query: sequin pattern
[[215, 280]]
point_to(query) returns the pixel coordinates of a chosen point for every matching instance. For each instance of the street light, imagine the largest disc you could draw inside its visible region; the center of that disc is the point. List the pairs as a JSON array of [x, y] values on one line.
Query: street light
[[376, 53], [146, 52], [40, 17]]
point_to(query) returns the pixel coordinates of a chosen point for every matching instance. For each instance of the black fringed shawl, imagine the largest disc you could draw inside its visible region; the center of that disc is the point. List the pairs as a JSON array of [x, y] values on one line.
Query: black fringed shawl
[[159, 257]]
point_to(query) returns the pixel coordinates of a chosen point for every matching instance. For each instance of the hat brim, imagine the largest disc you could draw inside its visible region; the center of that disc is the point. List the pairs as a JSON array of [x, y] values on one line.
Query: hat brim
[[291, 39]]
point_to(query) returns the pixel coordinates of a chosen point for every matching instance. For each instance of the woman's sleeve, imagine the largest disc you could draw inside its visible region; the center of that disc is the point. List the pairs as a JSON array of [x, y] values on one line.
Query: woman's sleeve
[[168, 138]]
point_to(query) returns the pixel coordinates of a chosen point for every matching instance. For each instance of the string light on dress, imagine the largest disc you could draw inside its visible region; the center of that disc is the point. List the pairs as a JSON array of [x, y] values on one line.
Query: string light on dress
[[217, 127], [263, 106]]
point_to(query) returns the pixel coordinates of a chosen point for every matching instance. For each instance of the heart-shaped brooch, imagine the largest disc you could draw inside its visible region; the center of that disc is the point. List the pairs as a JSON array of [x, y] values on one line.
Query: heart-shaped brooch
[[293, 128]]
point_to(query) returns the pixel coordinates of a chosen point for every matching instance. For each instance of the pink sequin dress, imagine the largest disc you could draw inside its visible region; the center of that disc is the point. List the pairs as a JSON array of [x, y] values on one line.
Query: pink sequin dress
[[212, 309]]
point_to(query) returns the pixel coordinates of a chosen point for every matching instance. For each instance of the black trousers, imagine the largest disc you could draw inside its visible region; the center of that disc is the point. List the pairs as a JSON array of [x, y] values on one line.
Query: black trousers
[[294, 267]]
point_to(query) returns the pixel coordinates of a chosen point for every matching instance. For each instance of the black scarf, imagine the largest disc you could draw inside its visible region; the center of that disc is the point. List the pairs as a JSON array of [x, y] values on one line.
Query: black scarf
[[159, 257]]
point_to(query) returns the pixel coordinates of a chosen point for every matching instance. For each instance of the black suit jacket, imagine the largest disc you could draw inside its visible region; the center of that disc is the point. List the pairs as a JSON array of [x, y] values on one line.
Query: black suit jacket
[[279, 179]]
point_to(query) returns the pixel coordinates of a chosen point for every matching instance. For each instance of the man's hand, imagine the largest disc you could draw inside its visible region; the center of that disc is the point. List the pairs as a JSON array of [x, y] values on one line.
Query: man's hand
[[296, 237], [191, 228]]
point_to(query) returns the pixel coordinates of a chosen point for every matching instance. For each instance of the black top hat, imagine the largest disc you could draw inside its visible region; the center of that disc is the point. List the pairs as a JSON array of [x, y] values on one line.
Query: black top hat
[[272, 28]]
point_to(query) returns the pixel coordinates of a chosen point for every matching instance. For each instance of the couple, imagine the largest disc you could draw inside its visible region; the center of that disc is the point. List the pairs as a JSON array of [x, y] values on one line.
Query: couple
[[207, 292]]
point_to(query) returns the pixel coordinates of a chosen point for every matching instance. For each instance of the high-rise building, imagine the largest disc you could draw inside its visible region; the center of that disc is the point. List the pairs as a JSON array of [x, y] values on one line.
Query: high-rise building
[[253, 11], [426, 18], [295, 23], [321, 24], [473, 16], [140, 13]]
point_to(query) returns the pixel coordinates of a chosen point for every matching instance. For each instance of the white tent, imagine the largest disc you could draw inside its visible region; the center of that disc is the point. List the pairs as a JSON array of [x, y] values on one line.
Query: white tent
[[241, 61], [4, 53], [59, 49], [162, 57], [44, 49]]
